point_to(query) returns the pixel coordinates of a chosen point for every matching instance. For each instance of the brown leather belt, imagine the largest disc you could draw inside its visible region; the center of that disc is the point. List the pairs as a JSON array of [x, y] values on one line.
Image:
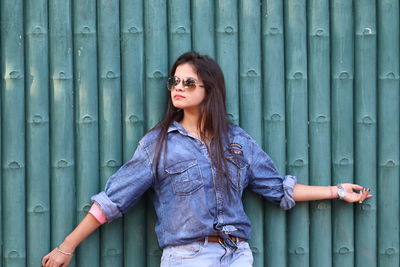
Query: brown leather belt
[[217, 239]]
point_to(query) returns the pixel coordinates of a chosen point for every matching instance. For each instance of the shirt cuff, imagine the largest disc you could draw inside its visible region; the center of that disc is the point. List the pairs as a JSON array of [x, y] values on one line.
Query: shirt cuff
[[109, 208], [287, 201], [96, 211]]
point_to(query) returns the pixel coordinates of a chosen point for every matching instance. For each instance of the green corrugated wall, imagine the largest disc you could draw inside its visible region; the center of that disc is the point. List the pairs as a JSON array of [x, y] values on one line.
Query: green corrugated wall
[[315, 82]]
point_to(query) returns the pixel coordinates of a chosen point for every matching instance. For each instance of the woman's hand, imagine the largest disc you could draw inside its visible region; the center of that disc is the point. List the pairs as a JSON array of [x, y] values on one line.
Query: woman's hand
[[56, 258], [61, 255], [351, 196]]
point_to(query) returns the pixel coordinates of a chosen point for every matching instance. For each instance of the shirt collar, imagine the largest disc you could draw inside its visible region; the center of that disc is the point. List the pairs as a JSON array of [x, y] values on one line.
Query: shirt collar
[[176, 126]]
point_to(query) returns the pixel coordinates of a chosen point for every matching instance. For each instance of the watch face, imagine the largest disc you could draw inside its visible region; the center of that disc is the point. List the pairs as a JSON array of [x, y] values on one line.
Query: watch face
[[341, 193]]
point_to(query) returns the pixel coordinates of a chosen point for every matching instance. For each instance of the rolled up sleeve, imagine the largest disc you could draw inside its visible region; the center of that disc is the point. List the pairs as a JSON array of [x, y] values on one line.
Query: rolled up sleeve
[[265, 180], [125, 187], [287, 201], [98, 213]]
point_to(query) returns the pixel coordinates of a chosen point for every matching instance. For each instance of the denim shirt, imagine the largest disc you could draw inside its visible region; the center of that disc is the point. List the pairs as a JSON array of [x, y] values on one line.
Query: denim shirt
[[189, 199]]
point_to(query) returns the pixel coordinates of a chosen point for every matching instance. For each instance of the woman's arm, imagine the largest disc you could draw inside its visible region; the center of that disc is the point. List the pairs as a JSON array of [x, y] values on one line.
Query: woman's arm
[[308, 192], [60, 255]]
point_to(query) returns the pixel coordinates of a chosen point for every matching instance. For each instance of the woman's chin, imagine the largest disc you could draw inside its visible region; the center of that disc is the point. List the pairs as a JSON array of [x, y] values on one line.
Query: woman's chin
[[178, 105]]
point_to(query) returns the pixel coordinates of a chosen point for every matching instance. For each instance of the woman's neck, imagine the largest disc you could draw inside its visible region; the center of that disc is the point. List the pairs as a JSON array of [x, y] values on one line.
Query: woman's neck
[[190, 122]]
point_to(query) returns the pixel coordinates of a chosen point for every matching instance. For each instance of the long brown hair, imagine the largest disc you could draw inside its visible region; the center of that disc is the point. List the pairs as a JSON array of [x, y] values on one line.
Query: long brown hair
[[213, 120]]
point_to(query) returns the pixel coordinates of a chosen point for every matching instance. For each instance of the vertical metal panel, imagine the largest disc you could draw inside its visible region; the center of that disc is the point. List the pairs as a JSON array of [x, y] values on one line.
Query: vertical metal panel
[[110, 122], [156, 60], [37, 132], [61, 122], [319, 130], [132, 70], [250, 107], [365, 128], [342, 66], [227, 54], [179, 30], [1, 159], [273, 60], [389, 133], [86, 121], [297, 125], [13, 125], [156, 71], [203, 26]]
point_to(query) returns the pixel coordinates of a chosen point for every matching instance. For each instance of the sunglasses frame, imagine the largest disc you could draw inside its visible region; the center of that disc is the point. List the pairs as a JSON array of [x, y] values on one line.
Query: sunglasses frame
[[193, 83]]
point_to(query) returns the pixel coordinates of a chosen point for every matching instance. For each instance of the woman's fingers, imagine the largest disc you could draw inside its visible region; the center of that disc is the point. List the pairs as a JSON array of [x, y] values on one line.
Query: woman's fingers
[[56, 259], [356, 187], [361, 195], [45, 259], [364, 194]]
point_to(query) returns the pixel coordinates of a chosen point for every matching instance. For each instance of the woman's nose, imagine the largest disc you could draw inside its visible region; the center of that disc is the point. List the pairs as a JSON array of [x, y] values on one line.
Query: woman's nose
[[179, 87]]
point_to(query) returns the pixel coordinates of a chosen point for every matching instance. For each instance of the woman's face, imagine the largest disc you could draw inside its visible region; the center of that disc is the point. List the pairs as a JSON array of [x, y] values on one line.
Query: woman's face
[[188, 99]]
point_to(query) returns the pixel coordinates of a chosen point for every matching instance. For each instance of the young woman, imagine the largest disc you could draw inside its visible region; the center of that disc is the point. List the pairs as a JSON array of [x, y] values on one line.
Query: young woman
[[196, 166]]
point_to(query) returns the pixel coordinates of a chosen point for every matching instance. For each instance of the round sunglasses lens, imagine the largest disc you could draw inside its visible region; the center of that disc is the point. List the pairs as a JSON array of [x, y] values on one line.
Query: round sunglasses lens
[[189, 83], [171, 82]]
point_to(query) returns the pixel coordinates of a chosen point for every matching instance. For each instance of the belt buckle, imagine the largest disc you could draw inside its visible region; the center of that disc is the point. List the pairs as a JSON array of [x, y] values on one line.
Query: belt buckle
[[227, 241]]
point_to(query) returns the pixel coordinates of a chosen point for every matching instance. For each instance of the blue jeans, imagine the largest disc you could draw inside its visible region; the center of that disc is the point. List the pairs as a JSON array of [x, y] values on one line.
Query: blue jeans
[[207, 254]]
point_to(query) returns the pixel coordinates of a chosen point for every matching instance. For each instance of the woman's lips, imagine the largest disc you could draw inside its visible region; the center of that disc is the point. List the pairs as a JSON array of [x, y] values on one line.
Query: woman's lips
[[178, 97]]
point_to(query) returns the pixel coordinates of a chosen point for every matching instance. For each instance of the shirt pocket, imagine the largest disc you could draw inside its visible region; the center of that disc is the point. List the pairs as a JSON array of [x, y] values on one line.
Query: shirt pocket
[[186, 177], [237, 169]]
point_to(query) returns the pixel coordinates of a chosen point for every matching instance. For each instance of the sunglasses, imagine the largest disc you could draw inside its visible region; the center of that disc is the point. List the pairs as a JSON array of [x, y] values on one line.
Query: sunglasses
[[188, 83]]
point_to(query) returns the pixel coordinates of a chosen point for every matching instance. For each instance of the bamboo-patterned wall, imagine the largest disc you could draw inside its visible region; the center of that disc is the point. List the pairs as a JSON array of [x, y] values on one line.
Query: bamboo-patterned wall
[[315, 82]]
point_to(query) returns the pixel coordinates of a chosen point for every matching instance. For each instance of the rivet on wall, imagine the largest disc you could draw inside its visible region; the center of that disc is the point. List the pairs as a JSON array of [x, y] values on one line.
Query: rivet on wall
[[110, 75], [14, 165], [111, 163], [344, 250], [344, 162], [390, 251], [298, 163], [62, 163], [134, 29], [319, 32], [274, 30], [321, 119], [37, 119], [229, 29], [13, 254], [180, 30], [251, 73], [87, 119], [133, 119], [276, 117], [390, 163], [298, 75], [344, 75], [38, 30], [15, 75], [299, 251]]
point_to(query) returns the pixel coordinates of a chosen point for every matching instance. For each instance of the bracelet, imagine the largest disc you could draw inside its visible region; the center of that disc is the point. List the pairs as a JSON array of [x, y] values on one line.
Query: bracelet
[[64, 252]]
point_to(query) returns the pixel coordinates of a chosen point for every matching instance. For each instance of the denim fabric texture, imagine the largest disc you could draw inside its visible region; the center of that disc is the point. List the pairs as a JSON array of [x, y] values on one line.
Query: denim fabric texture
[[191, 202], [207, 254]]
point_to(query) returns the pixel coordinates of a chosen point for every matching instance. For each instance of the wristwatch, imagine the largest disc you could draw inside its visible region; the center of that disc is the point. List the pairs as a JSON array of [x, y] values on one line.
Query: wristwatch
[[341, 191]]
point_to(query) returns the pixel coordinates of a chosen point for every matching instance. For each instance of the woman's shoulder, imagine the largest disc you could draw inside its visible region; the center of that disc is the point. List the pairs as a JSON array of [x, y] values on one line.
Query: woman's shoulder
[[236, 132], [150, 138]]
